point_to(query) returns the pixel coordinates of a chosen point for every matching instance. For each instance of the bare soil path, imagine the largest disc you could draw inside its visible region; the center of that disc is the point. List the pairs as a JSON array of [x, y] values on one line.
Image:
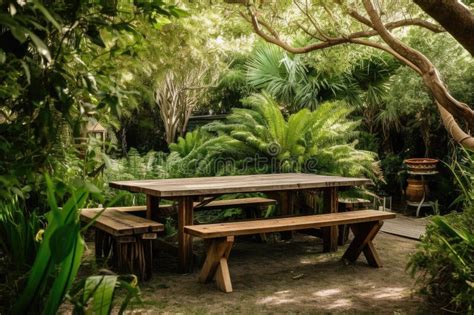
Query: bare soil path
[[291, 277]]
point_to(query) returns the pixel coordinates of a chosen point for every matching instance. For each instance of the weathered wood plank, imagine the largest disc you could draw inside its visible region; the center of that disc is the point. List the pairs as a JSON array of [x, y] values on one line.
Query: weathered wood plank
[[216, 204], [234, 184], [285, 224], [118, 223], [241, 202]]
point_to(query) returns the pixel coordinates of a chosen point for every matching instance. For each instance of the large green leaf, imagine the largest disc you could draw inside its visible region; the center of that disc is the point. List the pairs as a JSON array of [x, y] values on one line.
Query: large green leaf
[[103, 295]]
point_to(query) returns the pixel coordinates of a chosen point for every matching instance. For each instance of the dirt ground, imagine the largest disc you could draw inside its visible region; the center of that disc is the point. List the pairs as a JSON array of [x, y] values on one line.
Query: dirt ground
[[290, 277]]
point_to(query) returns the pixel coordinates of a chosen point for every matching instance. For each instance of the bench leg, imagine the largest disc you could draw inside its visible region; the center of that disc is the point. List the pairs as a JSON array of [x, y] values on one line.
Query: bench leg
[[148, 257], [104, 244], [134, 255], [364, 233], [99, 243], [215, 266]]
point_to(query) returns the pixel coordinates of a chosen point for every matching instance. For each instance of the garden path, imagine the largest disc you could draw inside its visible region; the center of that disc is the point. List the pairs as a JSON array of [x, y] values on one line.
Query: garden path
[[405, 226]]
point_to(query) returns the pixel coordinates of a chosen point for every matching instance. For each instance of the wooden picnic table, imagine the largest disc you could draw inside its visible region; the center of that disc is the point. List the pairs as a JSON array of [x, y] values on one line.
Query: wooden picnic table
[[279, 186]]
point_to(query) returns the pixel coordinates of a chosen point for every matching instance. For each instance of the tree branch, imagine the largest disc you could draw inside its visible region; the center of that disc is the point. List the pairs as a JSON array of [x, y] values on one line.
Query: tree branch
[[430, 75], [326, 41], [414, 59], [455, 17], [454, 130]]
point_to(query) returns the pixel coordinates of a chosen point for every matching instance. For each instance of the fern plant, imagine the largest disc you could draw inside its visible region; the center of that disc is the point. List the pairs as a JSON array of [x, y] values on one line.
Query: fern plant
[[189, 142], [259, 138], [152, 165]]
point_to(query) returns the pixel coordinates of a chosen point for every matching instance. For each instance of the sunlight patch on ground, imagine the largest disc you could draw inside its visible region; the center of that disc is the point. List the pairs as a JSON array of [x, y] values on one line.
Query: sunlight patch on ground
[[306, 261], [328, 292], [387, 293], [280, 297], [315, 259], [340, 303]]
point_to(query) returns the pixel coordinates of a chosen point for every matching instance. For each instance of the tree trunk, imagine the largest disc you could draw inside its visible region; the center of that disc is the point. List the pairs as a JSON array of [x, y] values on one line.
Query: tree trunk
[[455, 17], [454, 130], [432, 80]]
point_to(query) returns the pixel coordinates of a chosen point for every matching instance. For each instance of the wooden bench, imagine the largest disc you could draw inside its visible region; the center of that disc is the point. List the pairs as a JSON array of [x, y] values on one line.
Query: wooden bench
[[212, 205], [126, 238], [220, 237], [349, 204], [252, 203]]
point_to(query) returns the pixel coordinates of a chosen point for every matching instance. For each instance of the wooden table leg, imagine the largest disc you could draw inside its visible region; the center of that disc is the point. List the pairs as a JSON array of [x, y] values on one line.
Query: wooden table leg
[[286, 204], [152, 206], [185, 241], [330, 233]]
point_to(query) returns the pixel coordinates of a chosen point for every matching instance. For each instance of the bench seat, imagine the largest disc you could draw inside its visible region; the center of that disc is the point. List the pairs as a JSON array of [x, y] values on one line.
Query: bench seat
[[125, 237], [219, 237], [215, 204]]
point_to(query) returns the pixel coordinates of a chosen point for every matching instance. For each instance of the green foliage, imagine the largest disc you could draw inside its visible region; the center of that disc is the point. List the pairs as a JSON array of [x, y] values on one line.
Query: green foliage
[[189, 142], [232, 87], [463, 170], [135, 166], [444, 262], [298, 83], [260, 139], [58, 68], [392, 166], [18, 229], [151, 165], [97, 294], [288, 79], [59, 256], [58, 259]]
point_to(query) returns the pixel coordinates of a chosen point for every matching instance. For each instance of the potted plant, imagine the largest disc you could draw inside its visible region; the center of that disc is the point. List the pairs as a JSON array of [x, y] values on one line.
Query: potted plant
[[421, 165]]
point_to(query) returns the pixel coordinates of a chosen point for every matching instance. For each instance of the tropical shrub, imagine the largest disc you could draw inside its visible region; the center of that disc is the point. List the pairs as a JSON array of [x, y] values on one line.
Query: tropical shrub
[[184, 145], [151, 165], [18, 229], [259, 137], [55, 257], [444, 262]]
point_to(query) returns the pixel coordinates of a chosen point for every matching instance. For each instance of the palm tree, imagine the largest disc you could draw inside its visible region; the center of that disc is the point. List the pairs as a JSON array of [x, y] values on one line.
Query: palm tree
[[297, 85]]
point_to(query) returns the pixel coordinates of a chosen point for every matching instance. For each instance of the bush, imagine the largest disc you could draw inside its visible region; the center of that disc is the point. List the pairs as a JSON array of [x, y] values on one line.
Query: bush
[[444, 262]]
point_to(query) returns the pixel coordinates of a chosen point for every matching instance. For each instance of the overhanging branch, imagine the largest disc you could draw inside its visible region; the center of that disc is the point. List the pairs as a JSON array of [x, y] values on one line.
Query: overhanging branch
[[325, 41]]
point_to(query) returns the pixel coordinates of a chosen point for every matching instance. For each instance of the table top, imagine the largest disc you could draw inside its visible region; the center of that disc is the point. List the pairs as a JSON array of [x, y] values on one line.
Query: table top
[[206, 186]]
